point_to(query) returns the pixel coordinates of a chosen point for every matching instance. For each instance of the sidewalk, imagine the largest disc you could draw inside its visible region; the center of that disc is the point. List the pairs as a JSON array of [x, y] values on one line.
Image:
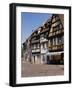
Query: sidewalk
[[30, 70]]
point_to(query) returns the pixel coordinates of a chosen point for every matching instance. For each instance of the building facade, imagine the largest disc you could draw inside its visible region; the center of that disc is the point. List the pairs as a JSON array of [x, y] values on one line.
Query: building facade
[[46, 44], [27, 50], [44, 41], [35, 47], [56, 39]]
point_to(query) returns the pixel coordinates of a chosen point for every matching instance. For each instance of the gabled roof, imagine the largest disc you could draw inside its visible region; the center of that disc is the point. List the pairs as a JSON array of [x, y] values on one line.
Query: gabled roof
[[61, 16]]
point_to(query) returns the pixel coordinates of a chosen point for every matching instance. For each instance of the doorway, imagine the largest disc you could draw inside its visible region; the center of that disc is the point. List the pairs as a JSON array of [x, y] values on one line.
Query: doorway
[[34, 59]]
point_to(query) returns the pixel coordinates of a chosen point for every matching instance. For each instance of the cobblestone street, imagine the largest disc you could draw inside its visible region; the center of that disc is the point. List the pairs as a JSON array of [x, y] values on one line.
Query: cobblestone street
[[30, 70]]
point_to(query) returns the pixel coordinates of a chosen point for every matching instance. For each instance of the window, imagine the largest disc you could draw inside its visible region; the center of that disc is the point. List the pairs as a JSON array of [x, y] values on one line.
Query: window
[[43, 45], [51, 42], [33, 38], [46, 25], [55, 18], [43, 58], [38, 56], [34, 46], [42, 36], [38, 45], [55, 28], [54, 41], [34, 59], [60, 41], [47, 45], [60, 26], [62, 38]]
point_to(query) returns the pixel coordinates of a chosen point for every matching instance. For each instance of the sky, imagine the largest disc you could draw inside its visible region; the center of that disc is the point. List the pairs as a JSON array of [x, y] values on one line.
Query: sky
[[30, 22]]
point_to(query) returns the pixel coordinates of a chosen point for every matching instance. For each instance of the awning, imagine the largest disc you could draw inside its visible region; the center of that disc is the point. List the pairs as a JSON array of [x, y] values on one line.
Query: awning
[[54, 53]]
